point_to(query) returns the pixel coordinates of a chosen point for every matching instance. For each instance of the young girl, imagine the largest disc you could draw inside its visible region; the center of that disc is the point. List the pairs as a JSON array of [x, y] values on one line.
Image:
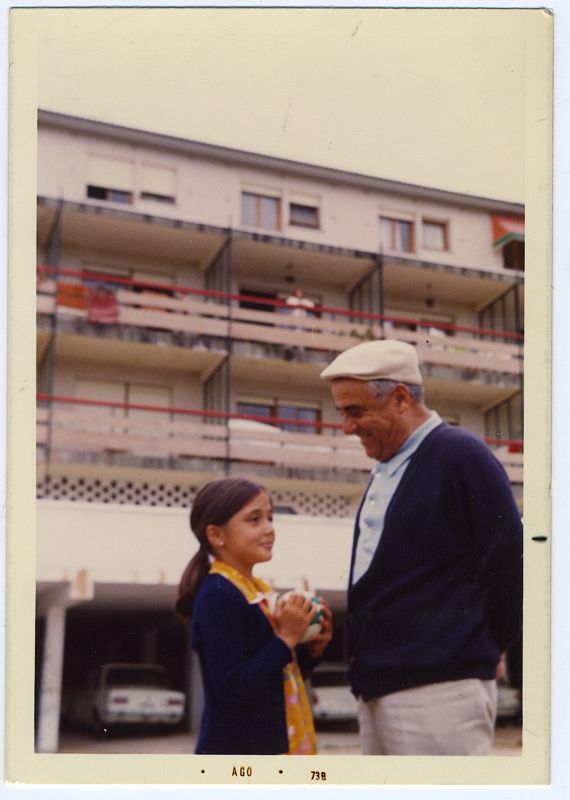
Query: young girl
[[251, 660]]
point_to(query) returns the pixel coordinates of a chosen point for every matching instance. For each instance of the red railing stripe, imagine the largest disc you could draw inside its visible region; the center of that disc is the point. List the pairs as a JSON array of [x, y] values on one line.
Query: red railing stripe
[[41, 397], [48, 398], [212, 293]]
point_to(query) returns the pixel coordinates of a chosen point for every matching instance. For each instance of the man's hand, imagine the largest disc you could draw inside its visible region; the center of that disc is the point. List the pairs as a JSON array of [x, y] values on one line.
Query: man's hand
[[502, 666]]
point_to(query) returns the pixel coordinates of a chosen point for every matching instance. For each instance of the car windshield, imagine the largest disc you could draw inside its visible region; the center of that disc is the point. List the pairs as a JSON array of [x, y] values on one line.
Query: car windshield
[[136, 677]]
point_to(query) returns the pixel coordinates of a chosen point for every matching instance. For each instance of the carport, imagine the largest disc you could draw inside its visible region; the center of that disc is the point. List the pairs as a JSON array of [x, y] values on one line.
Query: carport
[[106, 583]]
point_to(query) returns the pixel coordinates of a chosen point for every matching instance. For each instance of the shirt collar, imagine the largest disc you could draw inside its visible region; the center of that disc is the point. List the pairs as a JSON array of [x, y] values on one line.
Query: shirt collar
[[409, 447]]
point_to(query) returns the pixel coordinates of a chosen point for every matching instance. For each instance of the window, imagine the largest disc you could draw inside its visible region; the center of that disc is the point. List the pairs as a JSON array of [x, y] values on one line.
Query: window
[[158, 198], [253, 299], [435, 235], [290, 412], [249, 296], [122, 394], [505, 313], [431, 326], [111, 195], [153, 285], [110, 179], [158, 283], [148, 395], [508, 234], [307, 303], [105, 420], [260, 211], [157, 183], [298, 413], [113, 180], [505, 420], [513, 255], [255, 409], [104, 277], [108, 391], [304, 215], [396, 234]]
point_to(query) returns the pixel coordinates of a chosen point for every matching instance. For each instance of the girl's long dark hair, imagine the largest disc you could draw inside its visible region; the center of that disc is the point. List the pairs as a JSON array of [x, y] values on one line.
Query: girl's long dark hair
[[215, 504]]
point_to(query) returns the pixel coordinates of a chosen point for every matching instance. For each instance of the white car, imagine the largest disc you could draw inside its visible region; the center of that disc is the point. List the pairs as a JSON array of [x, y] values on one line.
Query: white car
[[509, 702], [247, 428], [127, 694]]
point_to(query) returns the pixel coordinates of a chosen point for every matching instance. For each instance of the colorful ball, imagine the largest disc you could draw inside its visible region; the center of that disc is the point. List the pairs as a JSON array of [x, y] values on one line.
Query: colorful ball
[[315, 625]]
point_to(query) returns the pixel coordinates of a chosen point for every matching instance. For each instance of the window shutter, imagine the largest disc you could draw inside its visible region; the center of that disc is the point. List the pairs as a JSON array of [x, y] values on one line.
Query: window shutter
[[111, 173], [147, 395], [158, 180]]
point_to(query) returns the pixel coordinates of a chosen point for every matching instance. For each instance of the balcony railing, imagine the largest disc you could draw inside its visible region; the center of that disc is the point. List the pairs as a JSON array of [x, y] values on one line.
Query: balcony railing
[[204, 313], [73, 427]]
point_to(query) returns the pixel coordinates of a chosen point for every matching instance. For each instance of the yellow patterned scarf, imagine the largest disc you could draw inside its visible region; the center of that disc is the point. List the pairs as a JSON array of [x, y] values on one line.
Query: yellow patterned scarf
[[299, 719]]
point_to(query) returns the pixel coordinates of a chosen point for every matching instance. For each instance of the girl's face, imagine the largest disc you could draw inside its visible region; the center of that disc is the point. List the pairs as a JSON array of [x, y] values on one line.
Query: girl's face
[[248, 537]]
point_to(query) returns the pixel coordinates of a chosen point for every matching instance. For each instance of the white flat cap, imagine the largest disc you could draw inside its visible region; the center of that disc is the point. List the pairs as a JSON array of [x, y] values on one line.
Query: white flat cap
[[383, 359]]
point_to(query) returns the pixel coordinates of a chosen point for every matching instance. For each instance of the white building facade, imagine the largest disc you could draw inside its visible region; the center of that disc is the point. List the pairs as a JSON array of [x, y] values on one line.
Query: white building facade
[[168, 356]]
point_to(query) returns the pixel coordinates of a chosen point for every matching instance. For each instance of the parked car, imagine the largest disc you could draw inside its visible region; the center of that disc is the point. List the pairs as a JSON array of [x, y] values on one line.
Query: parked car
[[248, 428], [331, 698], [127, 694], [509, 705]]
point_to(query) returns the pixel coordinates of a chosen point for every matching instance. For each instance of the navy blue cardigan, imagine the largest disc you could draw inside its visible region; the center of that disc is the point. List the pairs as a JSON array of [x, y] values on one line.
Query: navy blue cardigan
[[443, 595], [242, 663]]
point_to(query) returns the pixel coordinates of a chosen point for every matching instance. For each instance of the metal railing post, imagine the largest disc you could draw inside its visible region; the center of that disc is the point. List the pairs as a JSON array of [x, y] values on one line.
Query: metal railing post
[[53, 259]]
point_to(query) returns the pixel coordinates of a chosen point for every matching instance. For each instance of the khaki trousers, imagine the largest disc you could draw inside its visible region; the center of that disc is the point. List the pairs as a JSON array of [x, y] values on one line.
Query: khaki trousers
[[450, 718]]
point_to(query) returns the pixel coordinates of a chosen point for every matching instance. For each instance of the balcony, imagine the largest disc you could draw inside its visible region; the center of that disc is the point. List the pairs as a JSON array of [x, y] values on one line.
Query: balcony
[[205, 320], [133, 435]]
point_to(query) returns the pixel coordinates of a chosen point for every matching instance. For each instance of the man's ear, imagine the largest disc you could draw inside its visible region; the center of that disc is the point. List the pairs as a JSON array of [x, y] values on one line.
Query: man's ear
[[402, 396]]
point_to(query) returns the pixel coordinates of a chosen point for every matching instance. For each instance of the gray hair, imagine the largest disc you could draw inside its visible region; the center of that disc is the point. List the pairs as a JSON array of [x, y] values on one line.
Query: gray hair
[[381, 389]]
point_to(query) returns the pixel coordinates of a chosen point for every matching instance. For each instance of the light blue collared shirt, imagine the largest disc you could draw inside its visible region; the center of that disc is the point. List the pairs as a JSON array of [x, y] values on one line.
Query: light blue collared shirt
[[386, 477]]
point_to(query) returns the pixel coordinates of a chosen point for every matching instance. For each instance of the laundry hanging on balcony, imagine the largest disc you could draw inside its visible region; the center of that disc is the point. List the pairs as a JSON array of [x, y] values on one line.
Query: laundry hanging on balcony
[[71, 295], [507, 228], [102, 306]]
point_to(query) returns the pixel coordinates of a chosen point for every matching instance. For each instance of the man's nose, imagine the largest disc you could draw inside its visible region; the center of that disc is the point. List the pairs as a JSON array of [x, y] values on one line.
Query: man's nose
[[348, 426]]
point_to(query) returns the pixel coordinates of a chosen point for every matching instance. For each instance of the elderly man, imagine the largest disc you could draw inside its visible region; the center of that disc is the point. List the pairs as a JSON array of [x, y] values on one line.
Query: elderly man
[[435, 588]]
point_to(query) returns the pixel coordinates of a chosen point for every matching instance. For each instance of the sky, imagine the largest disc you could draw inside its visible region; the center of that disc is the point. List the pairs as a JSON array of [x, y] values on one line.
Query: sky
[[429, 97]]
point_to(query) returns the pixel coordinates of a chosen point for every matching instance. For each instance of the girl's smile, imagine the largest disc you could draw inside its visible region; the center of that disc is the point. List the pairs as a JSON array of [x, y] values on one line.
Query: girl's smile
[[248, 537]]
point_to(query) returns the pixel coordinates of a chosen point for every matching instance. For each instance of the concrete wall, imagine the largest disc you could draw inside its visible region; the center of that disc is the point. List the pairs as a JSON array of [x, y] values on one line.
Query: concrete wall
[[139, 545]]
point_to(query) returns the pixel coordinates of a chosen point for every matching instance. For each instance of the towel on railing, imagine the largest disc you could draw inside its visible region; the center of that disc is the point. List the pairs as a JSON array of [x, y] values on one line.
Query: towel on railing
[[102, 306], [71, 295]]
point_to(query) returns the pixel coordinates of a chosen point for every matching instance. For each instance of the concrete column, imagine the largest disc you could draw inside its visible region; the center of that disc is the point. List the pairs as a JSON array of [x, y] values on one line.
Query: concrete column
[[150, 646], [195, 692], [50, 690]]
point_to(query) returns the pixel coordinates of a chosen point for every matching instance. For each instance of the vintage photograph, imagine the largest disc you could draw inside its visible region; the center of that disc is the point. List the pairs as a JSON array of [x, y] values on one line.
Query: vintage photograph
[[281, 293]]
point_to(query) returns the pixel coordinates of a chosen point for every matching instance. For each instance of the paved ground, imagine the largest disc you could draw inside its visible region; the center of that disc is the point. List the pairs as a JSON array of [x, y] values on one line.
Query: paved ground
[[507, 743]]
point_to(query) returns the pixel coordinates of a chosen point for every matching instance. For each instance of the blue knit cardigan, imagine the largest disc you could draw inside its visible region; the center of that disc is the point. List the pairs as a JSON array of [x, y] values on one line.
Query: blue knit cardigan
[[242, 663], [442, 597]]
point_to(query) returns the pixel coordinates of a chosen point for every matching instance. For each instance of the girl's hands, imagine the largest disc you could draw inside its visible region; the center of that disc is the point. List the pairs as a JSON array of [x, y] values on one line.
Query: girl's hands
[[316, 646], [292, 617]]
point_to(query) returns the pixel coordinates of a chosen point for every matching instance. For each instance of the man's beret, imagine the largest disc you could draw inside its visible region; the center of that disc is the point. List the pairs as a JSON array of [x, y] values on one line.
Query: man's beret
[[384, 359]]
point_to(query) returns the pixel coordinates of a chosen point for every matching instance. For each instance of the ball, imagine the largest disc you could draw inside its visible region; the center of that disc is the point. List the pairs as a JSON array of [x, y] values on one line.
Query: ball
[[315, 625]]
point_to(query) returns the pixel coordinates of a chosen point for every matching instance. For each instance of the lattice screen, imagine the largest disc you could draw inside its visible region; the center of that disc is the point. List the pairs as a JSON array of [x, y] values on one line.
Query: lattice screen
[[91, 490]]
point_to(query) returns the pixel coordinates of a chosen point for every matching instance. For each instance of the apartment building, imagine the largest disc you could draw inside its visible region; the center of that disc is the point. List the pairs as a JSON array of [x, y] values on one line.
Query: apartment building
[[171, 350]]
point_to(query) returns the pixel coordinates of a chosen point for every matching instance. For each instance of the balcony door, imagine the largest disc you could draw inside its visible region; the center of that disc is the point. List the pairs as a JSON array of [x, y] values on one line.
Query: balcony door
[[121, 419], [105, 420], [159, 397]]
